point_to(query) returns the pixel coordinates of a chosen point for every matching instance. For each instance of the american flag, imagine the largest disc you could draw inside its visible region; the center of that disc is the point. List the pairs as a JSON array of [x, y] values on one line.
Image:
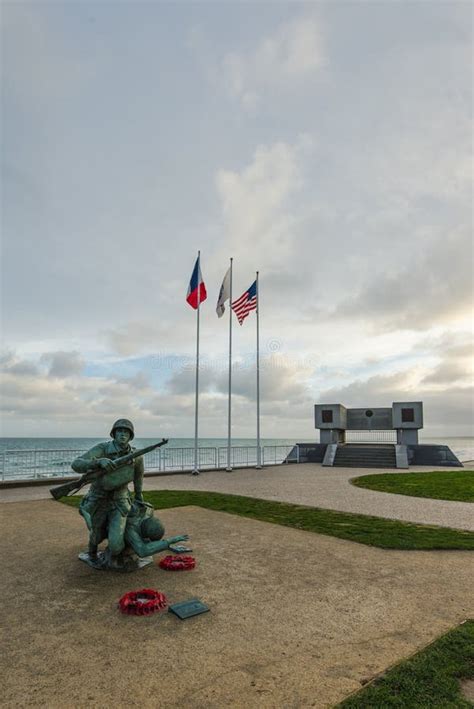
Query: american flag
[[246, 303]]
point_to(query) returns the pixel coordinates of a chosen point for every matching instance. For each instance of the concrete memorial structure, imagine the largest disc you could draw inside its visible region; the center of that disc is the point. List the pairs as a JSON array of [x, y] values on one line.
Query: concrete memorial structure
[[333, 420], [403, 419]]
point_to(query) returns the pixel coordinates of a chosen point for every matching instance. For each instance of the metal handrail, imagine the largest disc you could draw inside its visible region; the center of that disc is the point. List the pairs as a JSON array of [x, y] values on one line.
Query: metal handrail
[[37, 463]]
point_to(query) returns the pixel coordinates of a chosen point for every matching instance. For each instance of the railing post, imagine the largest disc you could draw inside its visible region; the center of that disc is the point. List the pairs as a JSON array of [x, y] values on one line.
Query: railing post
[[297, 453], [3, 465]]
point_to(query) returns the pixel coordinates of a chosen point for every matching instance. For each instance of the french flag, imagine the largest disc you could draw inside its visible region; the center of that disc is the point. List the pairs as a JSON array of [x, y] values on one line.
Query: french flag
[[196, 290]]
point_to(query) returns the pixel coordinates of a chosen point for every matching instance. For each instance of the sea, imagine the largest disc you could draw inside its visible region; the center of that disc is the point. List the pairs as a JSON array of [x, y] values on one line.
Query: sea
[[86, 443], [462, 447], [25, 458]]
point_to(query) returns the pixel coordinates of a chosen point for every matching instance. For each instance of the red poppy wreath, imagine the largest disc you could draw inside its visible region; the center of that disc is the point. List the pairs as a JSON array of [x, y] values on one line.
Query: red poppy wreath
[[177, 563], [144, 602]]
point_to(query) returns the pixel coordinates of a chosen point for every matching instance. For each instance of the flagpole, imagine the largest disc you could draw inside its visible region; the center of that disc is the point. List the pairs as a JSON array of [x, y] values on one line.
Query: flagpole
[[196, 411], [259, 461], [229, 408]]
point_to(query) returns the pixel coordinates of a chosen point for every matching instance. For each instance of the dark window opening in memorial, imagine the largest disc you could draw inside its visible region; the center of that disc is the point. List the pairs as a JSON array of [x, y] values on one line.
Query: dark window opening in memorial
[[326, 416], [408, 415], [369, 413]]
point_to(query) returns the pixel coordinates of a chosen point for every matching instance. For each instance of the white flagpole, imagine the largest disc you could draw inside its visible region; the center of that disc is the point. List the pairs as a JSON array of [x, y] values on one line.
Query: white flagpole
[[196, 462], [229, 410], [259, 461]]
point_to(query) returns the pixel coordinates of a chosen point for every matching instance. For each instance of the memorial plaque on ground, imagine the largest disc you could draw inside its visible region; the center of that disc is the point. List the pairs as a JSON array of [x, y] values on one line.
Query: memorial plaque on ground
[[186, 609]]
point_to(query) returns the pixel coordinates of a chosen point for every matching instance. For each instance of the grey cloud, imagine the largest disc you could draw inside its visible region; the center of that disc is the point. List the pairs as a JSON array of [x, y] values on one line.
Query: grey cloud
[[184, 381], [63, 364], [449, 410], [12, 364], [145, 335], [457, 344], [432, 289], [82, 402], [170, 408], [37, 396], [130, 338], [118, 406], [280, 380], [275, 385], [455, 367], [24, 368], [449, 372], [6, 358], [140, 382], [380, 390], [280, 281]]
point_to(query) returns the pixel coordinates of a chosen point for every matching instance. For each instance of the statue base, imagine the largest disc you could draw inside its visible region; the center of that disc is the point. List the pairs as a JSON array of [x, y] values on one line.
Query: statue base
[[125, 563]]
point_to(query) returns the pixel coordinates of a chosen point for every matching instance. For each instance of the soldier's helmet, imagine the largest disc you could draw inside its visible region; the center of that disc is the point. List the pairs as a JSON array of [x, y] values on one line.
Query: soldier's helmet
[[152, 528], [123, 423]]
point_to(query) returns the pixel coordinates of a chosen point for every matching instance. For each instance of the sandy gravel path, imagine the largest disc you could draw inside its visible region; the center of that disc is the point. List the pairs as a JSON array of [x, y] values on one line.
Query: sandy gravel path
[[297, 619], [307, 484], [316, 486]]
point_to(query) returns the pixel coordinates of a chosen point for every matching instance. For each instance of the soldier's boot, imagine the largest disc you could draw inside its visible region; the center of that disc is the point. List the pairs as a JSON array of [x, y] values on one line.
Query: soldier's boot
[[116, 562], [92, 558]]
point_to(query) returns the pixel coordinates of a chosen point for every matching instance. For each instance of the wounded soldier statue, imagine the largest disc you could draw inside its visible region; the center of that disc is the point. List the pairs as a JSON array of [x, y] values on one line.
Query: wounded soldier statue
[[133, 534]]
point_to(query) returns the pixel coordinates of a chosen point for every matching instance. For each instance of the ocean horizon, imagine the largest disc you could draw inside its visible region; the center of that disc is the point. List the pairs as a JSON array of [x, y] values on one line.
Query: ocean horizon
[[461, 446]]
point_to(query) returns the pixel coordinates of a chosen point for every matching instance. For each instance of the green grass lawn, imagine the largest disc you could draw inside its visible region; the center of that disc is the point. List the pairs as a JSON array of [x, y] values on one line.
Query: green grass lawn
[[428, 679], [373, 531], [441, 485]]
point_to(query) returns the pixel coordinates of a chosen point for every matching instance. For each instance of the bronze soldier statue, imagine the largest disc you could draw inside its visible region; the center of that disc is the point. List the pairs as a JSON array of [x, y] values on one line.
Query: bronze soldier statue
[[132, 532], [106, 506]]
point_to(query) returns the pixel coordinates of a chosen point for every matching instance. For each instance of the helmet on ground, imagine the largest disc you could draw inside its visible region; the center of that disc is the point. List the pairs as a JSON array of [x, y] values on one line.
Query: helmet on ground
[[152, 529], [123, 423]]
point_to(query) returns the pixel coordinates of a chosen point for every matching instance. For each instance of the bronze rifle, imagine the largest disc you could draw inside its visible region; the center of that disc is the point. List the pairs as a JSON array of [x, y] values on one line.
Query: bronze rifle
[[96, 471]]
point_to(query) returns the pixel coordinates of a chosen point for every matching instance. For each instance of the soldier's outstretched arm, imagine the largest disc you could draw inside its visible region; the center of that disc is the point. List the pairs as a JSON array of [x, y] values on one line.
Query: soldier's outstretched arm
[[143, 548]]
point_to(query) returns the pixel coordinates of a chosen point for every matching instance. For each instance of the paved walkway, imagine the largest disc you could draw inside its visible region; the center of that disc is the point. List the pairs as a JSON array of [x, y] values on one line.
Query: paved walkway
[[306, 484]]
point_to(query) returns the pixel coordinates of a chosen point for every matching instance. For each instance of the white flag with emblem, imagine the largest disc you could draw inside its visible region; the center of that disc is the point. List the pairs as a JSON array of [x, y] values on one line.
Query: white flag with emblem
[[224, 294]]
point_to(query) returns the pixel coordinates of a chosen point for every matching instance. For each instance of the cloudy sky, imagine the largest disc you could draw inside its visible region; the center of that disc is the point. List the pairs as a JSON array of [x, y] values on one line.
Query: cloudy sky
[[327, 145]]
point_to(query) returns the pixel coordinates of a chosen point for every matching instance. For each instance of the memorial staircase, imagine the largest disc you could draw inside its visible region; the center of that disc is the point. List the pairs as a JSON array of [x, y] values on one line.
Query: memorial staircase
[[364, 455]]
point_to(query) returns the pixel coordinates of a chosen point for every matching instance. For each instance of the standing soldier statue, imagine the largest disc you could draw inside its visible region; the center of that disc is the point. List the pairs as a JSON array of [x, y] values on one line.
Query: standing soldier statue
[[106, 506], [133, 534]]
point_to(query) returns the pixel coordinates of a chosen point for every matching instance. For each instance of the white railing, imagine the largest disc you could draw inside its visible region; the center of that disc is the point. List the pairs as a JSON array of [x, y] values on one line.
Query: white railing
[[48, 463], [371, 436], [274, 455], [40, 463], [240, 456], [164, 459]]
